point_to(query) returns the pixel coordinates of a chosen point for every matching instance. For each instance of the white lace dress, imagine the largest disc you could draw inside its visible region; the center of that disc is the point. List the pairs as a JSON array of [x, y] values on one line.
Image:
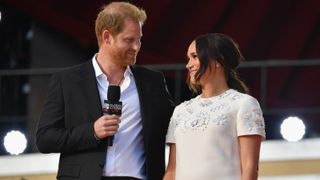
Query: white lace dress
[[206, 130]]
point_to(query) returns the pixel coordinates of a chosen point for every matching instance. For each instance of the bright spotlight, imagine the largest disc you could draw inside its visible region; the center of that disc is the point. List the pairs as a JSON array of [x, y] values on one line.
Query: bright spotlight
[[15, 142], [293, 129], [0, 15]]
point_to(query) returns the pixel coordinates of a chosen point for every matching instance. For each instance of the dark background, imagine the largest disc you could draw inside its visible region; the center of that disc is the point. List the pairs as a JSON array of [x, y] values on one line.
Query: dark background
[[50, 34]]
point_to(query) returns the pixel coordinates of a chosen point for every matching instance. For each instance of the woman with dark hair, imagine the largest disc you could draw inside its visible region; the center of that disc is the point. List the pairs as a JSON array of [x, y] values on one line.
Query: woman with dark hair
[[217, 134]]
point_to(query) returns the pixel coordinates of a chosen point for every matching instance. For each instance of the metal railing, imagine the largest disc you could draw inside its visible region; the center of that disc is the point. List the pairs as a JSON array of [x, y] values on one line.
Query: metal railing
[[180, 68]]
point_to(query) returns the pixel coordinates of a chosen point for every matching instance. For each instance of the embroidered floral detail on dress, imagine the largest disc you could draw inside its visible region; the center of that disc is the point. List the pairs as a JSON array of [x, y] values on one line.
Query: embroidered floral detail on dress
[[220, 120], [189, 110], [187, 103], [253, 120], [201, 119], [205, 103], [197, 122], [236, 97], [218, 108], [172, 127]]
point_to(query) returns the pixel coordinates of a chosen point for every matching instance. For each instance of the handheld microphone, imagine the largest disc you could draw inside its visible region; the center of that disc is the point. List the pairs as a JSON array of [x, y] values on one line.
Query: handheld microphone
[[112, 106]]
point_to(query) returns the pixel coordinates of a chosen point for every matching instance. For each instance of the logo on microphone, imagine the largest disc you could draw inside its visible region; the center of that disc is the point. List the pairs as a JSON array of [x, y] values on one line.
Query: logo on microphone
[[112, 108]]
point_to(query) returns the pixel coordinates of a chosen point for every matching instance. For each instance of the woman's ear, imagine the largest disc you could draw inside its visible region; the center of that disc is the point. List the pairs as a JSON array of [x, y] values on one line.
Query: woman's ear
[[218, 64]]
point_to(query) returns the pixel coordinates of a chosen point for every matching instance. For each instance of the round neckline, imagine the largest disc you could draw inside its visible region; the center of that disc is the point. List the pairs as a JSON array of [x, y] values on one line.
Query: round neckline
[[216, 96]]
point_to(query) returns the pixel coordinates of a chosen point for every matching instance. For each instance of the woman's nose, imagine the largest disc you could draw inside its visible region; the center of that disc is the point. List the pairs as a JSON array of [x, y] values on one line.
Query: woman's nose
[[188, 65]]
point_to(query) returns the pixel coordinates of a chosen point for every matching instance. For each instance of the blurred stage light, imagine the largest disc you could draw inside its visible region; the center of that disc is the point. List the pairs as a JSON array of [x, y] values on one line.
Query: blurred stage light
[[0, 16], [292, 129], [15, 142]]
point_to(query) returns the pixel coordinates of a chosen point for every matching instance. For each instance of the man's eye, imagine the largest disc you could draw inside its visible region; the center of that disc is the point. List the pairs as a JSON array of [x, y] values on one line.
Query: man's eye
[[128, 40]]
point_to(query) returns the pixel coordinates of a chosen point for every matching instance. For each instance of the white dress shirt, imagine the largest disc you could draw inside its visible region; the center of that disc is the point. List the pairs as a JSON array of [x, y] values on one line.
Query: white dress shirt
[[126, 156]]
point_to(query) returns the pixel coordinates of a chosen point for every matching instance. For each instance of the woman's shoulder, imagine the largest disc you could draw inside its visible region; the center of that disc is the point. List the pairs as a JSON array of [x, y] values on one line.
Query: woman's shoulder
[[236, 95], [243, 99]]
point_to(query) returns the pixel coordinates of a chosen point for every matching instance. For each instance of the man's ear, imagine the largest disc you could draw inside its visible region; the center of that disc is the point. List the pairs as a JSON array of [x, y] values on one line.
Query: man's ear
[[106, 36]]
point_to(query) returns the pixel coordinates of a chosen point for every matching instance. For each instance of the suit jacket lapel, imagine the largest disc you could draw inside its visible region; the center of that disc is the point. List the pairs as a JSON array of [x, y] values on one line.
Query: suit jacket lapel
[[88, 82], [142, 98], [140, 87]]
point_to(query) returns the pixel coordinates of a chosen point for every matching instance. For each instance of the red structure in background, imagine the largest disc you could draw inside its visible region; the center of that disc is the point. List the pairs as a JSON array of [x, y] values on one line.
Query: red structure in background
[[267, 29]]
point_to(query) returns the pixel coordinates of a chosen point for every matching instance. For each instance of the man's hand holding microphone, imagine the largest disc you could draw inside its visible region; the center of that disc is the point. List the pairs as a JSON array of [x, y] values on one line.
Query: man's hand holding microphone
[[108, 124]]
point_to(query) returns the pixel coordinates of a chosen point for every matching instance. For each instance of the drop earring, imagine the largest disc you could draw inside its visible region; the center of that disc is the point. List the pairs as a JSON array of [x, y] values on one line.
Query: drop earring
[[217, 64]]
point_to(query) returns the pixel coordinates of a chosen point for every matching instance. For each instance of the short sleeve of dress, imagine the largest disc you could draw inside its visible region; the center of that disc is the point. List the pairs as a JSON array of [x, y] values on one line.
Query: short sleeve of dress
[[172, 126], [250, 120]]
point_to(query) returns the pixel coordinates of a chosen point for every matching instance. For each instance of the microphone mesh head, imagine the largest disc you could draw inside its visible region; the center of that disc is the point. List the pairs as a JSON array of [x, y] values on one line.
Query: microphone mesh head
[[113, 93]]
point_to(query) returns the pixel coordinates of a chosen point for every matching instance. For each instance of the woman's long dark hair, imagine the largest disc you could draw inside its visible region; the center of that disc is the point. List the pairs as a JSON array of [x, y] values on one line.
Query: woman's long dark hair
[[219, 47]]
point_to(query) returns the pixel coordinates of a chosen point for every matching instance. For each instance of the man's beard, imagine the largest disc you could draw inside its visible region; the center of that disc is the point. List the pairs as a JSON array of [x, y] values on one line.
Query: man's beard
[[124, 58]]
